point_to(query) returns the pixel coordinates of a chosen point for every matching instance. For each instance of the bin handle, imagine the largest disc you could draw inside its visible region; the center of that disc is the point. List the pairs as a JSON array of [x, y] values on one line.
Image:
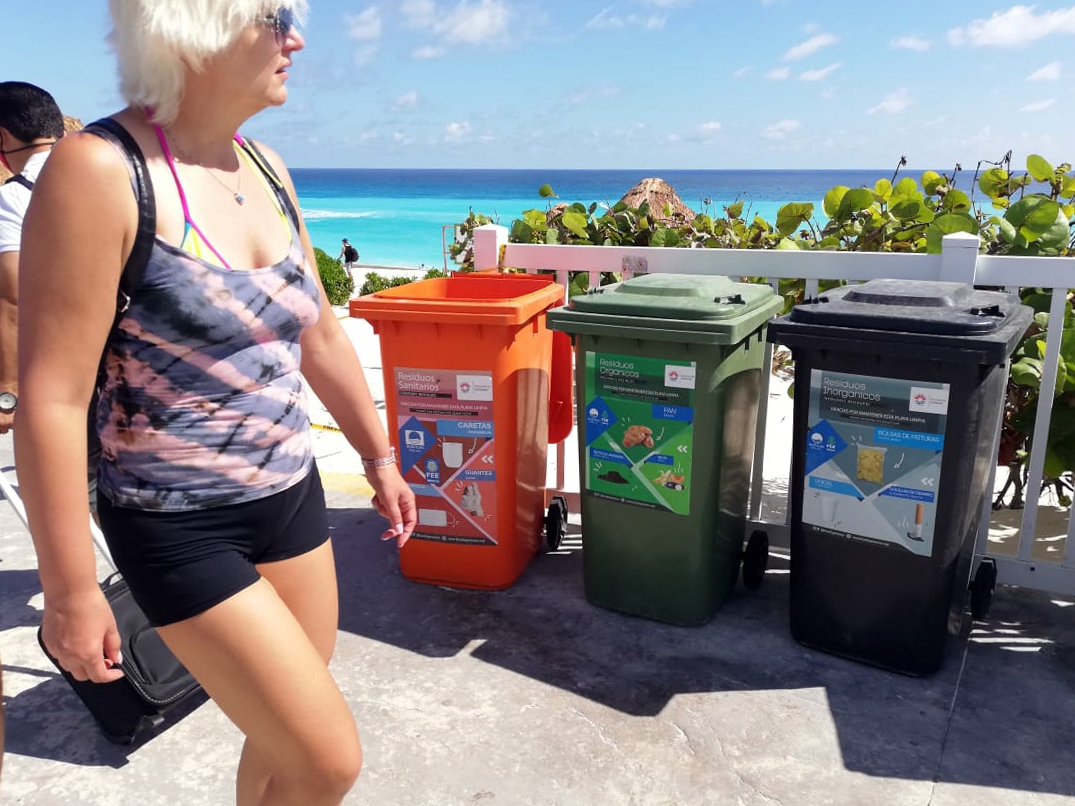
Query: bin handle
[[561, 408]]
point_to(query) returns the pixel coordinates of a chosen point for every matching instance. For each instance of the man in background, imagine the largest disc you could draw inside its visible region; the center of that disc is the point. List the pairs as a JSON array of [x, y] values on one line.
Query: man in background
[[349, 256], [30, 122]]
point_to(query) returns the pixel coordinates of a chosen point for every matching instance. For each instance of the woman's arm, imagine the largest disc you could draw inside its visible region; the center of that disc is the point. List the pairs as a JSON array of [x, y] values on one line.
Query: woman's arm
[[78, 232], [331, 365]]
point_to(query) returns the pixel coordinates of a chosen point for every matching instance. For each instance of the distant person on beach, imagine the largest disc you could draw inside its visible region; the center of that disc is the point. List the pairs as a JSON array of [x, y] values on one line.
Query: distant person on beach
[[30, 123], [209, 496], [349, 256]]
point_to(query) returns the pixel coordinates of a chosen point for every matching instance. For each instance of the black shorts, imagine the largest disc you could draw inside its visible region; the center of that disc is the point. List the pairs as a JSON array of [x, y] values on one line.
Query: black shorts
[[180, 564]]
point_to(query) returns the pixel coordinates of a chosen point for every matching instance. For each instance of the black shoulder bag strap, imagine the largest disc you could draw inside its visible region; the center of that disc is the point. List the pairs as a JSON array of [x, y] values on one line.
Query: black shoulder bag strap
[[19, 179], [281, 192], [137, 260], [135, 267]]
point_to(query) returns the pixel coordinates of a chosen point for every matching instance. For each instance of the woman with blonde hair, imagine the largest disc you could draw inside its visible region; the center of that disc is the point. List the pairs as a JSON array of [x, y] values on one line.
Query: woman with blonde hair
[[208, 493]]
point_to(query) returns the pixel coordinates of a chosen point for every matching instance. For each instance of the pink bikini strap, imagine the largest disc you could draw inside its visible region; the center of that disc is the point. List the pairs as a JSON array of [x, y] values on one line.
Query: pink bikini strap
[[183, 196]]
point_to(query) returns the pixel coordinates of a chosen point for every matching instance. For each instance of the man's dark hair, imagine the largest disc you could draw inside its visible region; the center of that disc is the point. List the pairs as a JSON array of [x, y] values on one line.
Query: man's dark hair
[[28, 112]]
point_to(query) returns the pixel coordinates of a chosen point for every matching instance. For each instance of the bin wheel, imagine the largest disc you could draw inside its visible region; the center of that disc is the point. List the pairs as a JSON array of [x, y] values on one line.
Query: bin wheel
[[981, 589], [556, 522], [755, 560]]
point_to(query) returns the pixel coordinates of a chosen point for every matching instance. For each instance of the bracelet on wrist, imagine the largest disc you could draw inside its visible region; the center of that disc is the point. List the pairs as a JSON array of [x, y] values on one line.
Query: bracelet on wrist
[[383, 461]]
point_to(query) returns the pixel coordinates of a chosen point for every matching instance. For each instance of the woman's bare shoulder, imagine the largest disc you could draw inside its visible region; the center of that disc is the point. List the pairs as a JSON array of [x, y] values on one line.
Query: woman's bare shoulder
[[86, 186], [84, 160], [86, 152]]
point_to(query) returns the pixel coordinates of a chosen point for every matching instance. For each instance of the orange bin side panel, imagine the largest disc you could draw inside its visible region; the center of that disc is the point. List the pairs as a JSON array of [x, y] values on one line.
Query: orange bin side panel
[[467, 410]]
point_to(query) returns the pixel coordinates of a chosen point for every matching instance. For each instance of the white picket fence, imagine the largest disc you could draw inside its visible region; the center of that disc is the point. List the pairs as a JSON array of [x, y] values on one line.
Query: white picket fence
[[1029, 562]]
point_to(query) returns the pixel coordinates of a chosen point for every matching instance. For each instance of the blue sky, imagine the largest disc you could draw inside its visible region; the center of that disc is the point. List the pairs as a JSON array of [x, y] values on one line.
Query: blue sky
[[693, 84]]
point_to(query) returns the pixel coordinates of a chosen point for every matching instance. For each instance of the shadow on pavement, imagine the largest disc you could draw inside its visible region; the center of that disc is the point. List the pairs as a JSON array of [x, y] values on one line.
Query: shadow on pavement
[[17, 588], [888, 724], [1015, 724]]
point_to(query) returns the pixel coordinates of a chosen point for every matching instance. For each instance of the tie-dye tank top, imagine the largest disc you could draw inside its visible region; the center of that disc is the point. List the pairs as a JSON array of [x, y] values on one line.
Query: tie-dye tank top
[[203, 404]]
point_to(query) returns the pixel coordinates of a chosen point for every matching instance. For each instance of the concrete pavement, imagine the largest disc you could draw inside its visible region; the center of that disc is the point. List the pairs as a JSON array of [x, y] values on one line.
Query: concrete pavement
[[534, 696]]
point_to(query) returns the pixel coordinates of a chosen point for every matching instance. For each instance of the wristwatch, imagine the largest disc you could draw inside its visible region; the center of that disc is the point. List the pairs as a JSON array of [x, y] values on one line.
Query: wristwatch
[[8, 402]]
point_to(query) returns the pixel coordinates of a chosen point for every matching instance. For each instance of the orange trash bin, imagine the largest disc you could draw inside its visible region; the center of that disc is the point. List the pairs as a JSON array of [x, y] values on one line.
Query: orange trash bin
[[469, 368]]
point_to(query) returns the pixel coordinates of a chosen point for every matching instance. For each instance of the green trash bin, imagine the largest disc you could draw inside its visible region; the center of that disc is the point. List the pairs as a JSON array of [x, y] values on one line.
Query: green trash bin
[[668, 377]]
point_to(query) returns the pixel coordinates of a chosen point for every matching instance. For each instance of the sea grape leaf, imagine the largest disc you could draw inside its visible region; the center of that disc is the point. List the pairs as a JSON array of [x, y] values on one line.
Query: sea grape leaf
[[931, 180], [521, 231], [664, 236], [946, 225], [1039, 168], [994, 183], [1027, 372], [907, 209], [905, 187], [831, 203], [854, 201], [792, 216], [1034, 216], [957, 201], [576, 222]]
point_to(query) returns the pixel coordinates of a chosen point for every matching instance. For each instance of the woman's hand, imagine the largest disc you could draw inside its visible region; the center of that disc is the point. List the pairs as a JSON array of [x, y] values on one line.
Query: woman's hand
[[80, 632], [394, 500]]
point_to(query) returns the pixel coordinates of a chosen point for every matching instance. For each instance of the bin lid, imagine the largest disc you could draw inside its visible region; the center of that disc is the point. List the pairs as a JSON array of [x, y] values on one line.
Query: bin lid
[[716, 309], [479, 299], [911, 306], [908, 319]]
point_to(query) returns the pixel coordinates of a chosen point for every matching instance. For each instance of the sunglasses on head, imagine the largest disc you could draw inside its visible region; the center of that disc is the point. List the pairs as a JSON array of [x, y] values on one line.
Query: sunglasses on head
[[280, 22]]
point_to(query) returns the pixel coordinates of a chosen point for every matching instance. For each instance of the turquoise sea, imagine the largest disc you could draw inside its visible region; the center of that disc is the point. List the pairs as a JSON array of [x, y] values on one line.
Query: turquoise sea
[[395, 217]]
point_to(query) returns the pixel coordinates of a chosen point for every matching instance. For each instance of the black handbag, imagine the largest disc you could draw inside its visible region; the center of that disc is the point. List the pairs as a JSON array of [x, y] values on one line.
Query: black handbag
[[153, 679]]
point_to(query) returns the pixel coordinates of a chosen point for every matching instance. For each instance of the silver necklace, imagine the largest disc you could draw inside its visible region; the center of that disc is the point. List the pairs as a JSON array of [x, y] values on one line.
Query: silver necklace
[[236, 194]]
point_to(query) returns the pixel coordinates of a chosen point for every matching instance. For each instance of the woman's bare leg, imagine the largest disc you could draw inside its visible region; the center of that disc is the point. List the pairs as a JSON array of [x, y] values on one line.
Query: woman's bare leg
[[255, 658], [307, 585]]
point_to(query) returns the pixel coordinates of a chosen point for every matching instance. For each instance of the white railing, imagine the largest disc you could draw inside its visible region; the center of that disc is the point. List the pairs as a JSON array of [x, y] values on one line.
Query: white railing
[[959, 261]]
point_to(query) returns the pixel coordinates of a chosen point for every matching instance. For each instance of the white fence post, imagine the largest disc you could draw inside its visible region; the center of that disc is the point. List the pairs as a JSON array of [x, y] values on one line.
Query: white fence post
[[488, 240], [959, 256]]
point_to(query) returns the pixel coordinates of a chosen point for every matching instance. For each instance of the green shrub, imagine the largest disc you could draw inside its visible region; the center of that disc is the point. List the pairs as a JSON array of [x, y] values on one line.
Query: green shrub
[[376, 282], [1012, 213], [338, 286]]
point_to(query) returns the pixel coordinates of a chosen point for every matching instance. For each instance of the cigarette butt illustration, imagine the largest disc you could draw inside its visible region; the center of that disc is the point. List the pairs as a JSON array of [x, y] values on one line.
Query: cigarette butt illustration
[[919, 516]]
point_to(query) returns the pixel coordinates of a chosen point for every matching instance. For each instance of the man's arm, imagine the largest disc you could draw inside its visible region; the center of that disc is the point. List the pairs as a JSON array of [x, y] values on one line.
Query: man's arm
[[9, 333]]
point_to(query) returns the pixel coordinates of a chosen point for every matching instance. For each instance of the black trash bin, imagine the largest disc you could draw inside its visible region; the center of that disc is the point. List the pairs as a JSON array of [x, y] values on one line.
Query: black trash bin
[[898, 388]]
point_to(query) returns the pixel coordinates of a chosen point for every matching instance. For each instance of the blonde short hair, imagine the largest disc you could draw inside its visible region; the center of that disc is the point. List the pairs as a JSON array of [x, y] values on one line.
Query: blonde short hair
[[157, 40]]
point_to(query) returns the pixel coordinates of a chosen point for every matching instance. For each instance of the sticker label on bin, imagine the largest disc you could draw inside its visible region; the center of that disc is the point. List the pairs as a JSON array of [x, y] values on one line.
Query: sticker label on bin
[[447, 453], [639, 430], [874, 448]]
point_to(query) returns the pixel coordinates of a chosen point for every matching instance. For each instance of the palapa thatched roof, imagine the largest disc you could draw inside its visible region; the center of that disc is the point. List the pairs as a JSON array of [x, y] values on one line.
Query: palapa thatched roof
[[69, 125], [659, 193]]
